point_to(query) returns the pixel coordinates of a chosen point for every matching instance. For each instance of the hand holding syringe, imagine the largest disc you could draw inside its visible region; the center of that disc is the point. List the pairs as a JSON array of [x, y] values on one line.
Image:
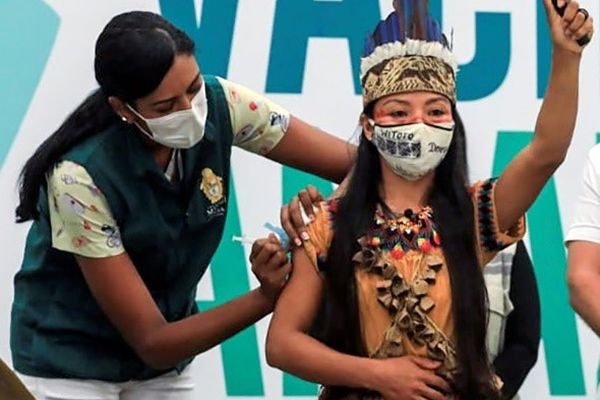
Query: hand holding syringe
[[268, 255]]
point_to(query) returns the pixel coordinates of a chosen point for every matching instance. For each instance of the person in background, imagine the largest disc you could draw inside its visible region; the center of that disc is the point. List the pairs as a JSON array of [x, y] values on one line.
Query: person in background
[[514, 323], [583, 244]]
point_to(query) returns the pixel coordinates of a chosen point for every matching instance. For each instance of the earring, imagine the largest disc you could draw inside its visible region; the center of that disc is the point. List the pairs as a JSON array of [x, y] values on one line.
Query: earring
[[124, 119]]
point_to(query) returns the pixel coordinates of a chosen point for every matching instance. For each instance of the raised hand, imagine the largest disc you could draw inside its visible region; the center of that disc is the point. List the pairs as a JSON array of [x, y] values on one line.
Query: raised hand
[[571, 27]]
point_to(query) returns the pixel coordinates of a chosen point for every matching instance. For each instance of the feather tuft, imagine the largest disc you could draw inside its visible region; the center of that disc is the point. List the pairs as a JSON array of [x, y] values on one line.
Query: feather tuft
[[409, 20]]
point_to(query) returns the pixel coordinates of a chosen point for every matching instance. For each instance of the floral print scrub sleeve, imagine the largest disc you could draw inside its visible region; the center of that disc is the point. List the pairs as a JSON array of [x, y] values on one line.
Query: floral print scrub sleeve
[[81, 220], [257, 122]]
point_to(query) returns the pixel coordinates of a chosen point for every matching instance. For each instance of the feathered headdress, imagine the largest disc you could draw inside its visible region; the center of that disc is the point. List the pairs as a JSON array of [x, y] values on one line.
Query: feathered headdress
[[408, 52]]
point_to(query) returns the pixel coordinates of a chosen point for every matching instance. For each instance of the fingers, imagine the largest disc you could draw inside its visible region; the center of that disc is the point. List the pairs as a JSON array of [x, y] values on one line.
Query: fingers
[[291, 215], [425, 363], [283, 272], [288, 227], [295, 214], [256, 248], [275, 272], [276, 261], [436, 382], [315, 195], [430, 394], [433, 381], [569, 23], [266, 252], [550, 9], [575, 24], [570, 13], [272, 238], [310, 198], [586, 30], [307, 204]]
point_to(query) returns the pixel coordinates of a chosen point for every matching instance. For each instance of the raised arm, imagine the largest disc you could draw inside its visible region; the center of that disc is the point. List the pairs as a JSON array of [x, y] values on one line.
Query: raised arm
[[528, 172]]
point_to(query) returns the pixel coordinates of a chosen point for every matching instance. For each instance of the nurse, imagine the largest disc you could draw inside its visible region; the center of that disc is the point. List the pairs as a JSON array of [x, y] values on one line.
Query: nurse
[[128, 200]]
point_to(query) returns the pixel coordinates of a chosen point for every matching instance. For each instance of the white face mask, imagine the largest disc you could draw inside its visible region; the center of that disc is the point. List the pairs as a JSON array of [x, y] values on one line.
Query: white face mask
[[413, 150], [180, 129]]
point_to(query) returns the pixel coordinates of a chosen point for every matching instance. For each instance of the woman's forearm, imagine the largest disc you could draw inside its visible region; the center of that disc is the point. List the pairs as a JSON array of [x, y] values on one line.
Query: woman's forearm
[[523, 179], [556, 120], [306, 357], [173, 342]]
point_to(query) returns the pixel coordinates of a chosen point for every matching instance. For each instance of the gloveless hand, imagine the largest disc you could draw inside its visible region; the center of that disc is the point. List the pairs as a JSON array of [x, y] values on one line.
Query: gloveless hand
[[574, 25], [270, 265]]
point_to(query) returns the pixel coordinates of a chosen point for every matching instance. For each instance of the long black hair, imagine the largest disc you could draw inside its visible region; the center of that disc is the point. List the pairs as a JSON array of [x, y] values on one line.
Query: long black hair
[[453, 209], [133, 54]]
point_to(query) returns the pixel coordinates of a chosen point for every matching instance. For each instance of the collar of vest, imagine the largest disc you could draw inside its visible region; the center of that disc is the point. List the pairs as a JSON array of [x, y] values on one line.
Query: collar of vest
[[144, 162]]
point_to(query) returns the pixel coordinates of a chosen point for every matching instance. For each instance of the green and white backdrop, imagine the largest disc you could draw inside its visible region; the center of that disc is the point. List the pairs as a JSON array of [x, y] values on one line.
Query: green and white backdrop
[[305, 54]]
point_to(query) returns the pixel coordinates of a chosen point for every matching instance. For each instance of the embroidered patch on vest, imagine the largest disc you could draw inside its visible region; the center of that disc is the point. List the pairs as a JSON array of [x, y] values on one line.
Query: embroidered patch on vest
[[211, 185]]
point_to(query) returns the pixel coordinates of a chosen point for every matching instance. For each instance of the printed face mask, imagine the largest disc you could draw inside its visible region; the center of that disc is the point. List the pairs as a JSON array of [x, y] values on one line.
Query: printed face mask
[[413, 150], [181, 129]]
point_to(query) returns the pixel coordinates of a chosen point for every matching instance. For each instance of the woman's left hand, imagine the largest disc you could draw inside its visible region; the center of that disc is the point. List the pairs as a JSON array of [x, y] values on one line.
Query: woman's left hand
[[575, 25], [291, 214]]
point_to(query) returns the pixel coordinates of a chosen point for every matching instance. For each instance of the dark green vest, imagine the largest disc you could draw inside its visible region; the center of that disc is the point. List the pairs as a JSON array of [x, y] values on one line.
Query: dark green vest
[[170, 232]]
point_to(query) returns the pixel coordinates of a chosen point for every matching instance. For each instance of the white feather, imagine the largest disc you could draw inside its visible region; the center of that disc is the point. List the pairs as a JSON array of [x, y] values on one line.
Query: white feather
[[410, 48]]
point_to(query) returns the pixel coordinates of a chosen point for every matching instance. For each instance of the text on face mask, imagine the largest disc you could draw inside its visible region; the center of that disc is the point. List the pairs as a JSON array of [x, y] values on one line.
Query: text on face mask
[[394, 134]]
